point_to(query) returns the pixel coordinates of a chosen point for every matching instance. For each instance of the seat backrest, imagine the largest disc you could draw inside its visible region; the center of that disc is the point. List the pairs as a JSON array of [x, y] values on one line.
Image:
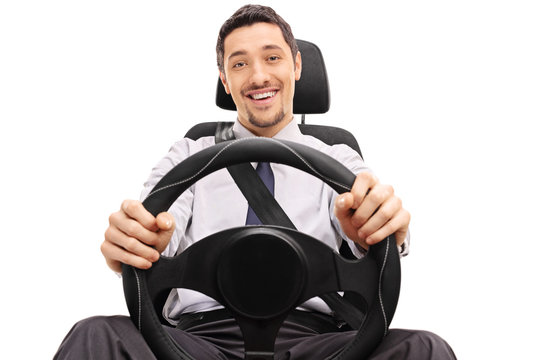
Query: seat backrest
[[328, 134]]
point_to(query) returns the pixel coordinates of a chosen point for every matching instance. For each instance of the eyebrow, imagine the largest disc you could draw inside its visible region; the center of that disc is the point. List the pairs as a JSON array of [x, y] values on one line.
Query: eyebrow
[[266, 47]]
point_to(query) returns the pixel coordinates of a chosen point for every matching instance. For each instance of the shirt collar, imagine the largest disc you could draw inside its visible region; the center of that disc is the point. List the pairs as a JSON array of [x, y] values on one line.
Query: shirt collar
[[290, 132]]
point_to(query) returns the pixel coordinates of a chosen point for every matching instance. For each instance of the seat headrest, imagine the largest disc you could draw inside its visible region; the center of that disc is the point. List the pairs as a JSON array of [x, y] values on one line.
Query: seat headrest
[[312, 92]]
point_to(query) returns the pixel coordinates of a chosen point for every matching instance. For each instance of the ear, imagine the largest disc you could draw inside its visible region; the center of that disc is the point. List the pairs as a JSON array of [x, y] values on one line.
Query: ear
[[298, 66], [224, 82]]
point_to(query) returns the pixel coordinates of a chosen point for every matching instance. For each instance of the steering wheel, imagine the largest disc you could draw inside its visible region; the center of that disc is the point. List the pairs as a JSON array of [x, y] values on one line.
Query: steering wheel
[[261, 273]]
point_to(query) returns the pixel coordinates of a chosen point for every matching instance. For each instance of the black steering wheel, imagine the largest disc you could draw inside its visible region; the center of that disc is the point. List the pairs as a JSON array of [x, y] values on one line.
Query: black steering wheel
[[261, 273]]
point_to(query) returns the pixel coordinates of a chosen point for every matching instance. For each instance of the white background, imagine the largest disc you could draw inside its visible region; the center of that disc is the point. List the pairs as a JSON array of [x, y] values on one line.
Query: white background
[[442, 96]]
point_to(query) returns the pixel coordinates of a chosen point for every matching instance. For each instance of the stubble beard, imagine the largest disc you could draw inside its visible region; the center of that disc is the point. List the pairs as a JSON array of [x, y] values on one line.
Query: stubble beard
[[253, 120]]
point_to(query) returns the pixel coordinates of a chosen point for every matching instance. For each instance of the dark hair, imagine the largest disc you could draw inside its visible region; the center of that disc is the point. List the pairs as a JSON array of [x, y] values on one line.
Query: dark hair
[[249, 15]]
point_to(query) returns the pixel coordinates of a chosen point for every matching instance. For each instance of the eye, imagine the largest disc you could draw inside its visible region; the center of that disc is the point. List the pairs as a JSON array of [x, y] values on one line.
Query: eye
[[239, 64], [273, 58]]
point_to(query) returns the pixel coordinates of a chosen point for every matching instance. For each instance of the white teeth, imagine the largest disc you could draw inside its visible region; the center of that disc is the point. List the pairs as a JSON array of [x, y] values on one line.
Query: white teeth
[[263, 95]]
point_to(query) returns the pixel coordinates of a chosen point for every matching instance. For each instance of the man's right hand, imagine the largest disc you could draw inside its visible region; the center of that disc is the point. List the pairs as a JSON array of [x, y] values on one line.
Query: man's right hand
[[135, 237]]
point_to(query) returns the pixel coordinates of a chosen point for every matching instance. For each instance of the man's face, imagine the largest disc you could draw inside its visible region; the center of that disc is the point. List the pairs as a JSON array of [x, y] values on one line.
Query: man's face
[[260, 75]]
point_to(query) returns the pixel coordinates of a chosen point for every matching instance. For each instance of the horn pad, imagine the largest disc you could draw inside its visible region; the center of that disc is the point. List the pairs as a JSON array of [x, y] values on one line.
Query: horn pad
[[266, 283]]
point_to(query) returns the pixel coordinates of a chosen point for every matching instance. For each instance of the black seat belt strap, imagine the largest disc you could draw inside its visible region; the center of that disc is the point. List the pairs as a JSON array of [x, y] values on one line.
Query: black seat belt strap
[[256, 193], [270, 212]]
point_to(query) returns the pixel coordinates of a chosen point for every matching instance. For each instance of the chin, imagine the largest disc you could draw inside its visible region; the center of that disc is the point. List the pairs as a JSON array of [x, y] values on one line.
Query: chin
[[265, 123]]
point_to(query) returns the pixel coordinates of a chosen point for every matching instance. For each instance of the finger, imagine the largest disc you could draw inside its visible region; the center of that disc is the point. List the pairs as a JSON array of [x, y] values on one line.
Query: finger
[[397, 225], [165, 221], [343, 206], [382, 215], [371, 203], [166, 225], [132, 228], [116, 256], [361, 187], [135, 210], [343, 211], [130, 244]]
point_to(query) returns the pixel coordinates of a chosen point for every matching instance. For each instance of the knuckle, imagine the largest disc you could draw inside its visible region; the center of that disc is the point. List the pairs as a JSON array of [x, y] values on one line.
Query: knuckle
[[367, 177], [107, 234], [131, 228], [131, 244], [382, 193], [386, 213], [113, 218], [377, 196], [125, 205], [104, 247], [387, 191], [128, 206], [358, 219], [392, 227], [407, 216]]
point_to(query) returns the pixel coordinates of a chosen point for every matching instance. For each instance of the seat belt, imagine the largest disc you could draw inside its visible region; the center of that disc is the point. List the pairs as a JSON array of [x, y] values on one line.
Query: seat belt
[[256, 193], [270, 212]]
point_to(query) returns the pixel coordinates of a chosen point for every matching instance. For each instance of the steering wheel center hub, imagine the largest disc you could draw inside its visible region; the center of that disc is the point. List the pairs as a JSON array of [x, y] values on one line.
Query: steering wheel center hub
[[261, 274]]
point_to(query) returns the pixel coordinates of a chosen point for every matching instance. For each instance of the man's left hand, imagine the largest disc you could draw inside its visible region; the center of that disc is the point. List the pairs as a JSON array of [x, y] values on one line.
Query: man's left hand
[[371, 211]]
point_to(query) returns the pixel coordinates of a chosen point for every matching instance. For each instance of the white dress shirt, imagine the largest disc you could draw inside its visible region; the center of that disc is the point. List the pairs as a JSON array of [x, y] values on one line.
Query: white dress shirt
[[215, 203]]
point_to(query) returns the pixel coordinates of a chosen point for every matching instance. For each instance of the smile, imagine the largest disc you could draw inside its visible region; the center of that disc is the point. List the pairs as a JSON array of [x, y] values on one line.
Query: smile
[[264, 95]]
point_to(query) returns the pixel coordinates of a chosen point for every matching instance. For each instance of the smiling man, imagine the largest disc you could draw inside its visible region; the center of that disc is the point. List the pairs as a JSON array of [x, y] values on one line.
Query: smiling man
[[258, 63]]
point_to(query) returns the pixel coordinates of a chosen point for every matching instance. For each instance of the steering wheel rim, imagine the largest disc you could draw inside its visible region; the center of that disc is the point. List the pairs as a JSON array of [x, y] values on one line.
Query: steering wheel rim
[[228, 153], [253, 149]]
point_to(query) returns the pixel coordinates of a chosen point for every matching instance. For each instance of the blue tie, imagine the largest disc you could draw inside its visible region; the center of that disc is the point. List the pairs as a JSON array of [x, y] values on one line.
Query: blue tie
[[267, 176]]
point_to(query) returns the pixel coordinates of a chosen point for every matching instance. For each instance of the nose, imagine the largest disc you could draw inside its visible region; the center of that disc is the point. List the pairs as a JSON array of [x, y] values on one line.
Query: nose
[[259, 74]]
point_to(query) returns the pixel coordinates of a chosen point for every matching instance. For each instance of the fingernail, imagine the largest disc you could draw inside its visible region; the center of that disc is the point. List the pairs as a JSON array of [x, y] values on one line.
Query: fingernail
[[168, 222]]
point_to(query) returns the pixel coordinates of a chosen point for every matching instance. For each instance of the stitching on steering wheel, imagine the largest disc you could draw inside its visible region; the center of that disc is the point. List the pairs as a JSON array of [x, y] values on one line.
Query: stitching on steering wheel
[[171, 347], [140, 301], [362, 330], [195, 175], [380, 286], [347, 188], [309, 166]]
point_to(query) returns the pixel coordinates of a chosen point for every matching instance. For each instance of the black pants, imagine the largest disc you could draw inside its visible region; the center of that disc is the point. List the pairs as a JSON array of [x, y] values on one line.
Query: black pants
[[115, 337]]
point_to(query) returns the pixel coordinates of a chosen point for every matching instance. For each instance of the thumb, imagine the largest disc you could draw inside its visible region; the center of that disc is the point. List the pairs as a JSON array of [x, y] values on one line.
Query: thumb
[[344, 212], [343, 205], [166, 226]]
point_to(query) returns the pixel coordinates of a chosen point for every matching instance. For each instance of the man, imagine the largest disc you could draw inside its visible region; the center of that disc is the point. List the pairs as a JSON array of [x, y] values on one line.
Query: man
[[258, 64]]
